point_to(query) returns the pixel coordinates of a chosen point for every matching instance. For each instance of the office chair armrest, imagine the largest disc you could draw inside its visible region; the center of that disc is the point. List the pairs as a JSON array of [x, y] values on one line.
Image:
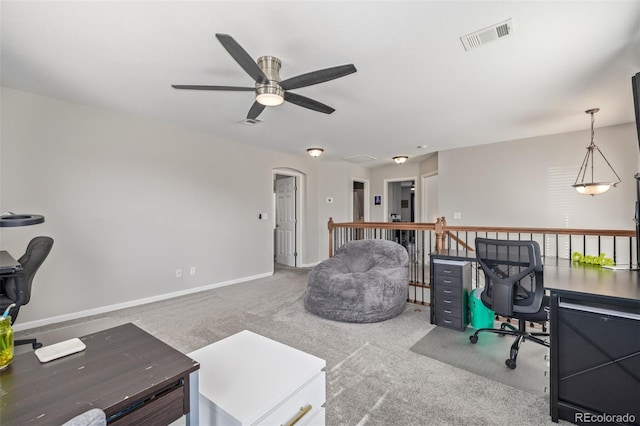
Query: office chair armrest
[[502, 298]]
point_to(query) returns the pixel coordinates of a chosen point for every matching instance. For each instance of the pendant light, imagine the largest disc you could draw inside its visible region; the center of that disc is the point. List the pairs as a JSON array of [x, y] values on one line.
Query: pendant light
[[591, 187]]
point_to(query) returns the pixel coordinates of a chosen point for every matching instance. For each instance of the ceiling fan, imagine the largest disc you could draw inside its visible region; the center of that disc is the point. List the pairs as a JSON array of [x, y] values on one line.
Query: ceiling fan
[[269, 88]]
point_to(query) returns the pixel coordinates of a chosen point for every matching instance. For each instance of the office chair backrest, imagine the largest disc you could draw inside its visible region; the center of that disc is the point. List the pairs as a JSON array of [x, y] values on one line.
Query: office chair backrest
[[19, 289], [513, 275]]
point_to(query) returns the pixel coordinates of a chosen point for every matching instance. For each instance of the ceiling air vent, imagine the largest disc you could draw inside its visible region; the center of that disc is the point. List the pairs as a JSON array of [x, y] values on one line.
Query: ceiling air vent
[[478, 38], [250, 121], [361, 158]]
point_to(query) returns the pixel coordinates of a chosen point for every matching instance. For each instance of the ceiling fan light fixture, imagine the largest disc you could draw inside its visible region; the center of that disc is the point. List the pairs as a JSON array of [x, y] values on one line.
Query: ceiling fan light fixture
[[400, 159], [269, 95], [269, 99], [315, 152]]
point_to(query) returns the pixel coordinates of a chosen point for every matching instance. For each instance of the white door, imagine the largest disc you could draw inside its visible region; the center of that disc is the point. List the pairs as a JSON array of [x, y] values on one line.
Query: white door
[[286, 221]]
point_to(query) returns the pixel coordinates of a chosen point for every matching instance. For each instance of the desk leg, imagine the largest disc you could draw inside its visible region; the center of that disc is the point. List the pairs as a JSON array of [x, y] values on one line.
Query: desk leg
[[193, 418]]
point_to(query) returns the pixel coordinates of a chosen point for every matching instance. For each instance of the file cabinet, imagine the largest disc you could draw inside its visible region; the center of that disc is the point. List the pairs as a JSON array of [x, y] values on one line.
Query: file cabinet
[[450, 288]]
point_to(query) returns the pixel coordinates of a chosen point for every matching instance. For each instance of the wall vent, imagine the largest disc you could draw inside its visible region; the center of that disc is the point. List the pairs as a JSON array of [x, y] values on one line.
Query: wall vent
[[494, 32], [360, 158]]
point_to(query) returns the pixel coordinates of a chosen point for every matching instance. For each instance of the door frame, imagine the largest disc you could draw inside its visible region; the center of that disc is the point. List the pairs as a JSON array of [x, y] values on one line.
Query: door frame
[[365, 182], [300, 184]]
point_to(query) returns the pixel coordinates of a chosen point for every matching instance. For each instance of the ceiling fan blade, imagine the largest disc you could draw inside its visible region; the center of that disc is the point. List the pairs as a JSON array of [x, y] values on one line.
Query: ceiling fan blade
[[242, 57], [228, 88], [305, 102], [255, 110], [315, 77]]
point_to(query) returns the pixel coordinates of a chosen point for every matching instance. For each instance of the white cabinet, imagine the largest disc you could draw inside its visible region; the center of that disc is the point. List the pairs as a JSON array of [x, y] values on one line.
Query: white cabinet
[[248, 379]]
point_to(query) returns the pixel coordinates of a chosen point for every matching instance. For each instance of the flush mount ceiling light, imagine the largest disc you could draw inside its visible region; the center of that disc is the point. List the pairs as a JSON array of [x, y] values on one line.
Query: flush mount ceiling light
[[400, 159], [315, 152], [591, 187]]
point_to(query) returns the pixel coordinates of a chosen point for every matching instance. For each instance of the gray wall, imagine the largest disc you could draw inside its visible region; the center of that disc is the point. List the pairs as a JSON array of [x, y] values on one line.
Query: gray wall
[[128, 201], [528, 182]]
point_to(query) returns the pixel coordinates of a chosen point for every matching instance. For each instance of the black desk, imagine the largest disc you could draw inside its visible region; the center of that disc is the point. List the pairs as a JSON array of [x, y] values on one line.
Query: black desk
[[594, 339], [134, 377]]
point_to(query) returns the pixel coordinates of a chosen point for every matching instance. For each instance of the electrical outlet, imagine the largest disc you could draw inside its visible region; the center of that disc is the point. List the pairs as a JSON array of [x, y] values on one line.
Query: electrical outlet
[[178, 273], [192, 271], [457, 215]]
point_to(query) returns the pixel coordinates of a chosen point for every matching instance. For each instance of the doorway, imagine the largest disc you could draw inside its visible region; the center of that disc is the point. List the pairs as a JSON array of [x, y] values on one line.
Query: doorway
[[359, 204], [401, 200], [288, 194], [400, 207]]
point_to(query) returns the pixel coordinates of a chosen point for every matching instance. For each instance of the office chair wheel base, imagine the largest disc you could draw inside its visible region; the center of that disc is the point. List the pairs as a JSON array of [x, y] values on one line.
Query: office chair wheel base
[[473, 339], [511, 363]]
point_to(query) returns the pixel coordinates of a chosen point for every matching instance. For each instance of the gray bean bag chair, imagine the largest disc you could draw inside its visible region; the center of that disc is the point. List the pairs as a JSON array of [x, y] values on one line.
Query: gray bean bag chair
[[365, 281]]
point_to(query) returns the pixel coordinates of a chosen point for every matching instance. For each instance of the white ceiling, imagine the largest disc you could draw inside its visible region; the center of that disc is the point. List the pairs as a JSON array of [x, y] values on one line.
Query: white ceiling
[[415, 83]]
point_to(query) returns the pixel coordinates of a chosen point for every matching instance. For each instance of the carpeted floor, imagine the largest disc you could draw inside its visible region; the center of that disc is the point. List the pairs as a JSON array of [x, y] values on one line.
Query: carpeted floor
[[373, 378]]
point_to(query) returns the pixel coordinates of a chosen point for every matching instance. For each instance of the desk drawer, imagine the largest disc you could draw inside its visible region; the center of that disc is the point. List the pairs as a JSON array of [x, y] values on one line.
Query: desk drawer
[[446, 270], [448, 292], [441, 280], [162, 409], [312, 394], [450, 322], [448, 311], [448, 302]]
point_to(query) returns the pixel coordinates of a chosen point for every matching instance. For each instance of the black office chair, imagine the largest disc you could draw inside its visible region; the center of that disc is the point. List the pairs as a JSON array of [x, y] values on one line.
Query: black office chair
[[17, 289], [514, 288]]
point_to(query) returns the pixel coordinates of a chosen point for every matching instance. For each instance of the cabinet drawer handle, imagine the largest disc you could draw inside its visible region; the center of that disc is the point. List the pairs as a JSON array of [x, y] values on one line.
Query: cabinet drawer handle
[[447, 281], [447, 301], [447, 321], [447, 291], [447, 311], [447, 271], [301, 414]]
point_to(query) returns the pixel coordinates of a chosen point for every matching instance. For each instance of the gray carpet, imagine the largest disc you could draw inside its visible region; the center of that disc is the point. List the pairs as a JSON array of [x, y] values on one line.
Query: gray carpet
[[486, 358], [373, 378]]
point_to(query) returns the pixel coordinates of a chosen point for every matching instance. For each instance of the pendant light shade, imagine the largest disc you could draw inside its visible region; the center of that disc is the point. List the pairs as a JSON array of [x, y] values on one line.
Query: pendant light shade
[[584, 184]]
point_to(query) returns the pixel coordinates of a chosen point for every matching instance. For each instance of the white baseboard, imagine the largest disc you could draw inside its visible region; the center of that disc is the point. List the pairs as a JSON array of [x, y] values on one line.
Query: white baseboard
[[109, 308]]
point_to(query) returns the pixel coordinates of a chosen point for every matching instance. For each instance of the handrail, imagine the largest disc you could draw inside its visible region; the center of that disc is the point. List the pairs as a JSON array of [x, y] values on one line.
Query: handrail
[[442, 229]]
